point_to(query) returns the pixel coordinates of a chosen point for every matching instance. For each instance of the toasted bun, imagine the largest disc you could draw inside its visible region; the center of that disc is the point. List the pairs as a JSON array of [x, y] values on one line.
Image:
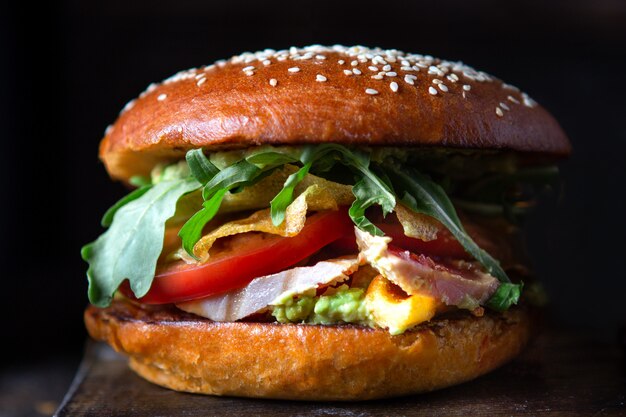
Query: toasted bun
[[355, 96], [305, 362]]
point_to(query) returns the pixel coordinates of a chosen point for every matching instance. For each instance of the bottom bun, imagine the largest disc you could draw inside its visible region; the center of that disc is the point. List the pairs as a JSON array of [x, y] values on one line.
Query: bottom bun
[[185, 352]]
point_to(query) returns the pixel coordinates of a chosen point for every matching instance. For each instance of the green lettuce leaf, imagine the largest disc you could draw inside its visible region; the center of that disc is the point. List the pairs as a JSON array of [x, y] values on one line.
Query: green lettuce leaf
[[107, 219], [130, 248]]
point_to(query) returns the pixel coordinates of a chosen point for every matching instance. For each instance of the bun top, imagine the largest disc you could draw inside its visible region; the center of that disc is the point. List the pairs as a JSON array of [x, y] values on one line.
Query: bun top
[[316, 94]]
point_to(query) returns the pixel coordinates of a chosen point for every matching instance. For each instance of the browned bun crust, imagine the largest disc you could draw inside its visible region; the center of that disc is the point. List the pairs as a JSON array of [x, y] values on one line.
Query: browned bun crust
[[223, 107], [305, 362]]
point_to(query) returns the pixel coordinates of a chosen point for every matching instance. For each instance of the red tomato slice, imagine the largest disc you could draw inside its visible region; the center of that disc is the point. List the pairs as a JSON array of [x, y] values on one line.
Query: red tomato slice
[[254, 257], [445, 245]]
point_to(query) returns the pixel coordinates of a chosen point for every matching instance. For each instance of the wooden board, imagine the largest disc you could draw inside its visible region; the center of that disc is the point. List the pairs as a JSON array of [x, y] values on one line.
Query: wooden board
[[562, 374]]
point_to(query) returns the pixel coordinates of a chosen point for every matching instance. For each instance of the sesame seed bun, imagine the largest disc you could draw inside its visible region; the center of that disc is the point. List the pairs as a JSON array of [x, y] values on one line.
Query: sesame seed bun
[[353, 96], [306, 362]]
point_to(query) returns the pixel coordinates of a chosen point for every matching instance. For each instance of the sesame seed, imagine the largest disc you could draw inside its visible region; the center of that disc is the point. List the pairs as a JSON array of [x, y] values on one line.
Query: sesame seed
[[376, 59], [294, 69], [437, 81], [266, 62], [467, 87], [320, 78], [129, 105], [432, 91], [504, 106], [443, 88], [513, 99], [371, 91], [394, 86], [391, 74], [377, 77], [434, 70], [509, 87], [354, 63], [341, 62], [347, 72], [273, 82], [387, 67], [357, 71], [249, 73], [248, 68], [499, 112], [162, 97], [372, 68], [409, 80], [201, 81], [320, 57], [528, 102], [453, 77], [407, 68]]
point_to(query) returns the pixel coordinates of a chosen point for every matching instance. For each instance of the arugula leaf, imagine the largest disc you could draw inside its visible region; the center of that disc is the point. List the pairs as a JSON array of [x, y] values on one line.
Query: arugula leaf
[[230, 177], [366, 194], [139, 181], [191, 232], [285, 196], [426, 197], [384, 195], [201, 168], [506, 295], [374, 186], [370, 188], [130, 248], [264, 159], [107, 219]]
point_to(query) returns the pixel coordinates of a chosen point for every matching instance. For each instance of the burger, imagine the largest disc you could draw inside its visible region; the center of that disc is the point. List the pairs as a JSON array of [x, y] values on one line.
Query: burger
[[321, 223]]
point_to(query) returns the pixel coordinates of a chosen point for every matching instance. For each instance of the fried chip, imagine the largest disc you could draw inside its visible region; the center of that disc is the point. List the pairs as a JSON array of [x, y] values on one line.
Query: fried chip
[[416, 225], [318, 195]]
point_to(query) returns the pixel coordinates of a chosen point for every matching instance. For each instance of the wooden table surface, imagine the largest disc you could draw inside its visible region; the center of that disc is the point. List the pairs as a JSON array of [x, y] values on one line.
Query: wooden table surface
[[560, 374]]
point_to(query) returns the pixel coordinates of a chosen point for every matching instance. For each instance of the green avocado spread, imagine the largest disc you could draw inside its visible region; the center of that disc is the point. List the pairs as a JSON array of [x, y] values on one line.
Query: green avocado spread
[[336, 305]]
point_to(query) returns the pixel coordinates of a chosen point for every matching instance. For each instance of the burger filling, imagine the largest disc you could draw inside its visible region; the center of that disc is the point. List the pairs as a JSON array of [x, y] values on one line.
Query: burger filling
[[387, 238]]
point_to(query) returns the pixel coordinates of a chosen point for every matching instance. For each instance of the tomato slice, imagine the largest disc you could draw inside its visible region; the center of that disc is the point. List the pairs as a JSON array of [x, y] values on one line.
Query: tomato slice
[[445, 245], [252, 258]]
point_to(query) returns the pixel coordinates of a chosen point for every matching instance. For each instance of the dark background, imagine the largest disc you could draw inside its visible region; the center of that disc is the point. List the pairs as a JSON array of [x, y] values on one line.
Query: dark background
[[67, 68]]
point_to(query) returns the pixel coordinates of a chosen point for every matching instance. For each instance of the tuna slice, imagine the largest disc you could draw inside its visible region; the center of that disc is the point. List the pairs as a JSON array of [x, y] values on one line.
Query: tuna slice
[[458, 283]]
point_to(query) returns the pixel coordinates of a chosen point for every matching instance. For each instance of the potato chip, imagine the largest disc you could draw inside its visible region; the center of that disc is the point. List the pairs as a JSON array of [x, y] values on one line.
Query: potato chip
[[318, 195], [416, 225]]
